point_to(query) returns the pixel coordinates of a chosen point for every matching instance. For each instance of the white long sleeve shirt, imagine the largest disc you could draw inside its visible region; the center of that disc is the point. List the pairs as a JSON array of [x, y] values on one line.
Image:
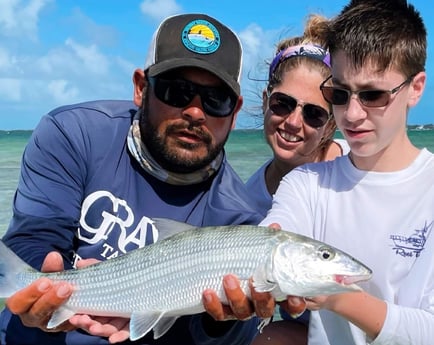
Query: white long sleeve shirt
[[385, 220]]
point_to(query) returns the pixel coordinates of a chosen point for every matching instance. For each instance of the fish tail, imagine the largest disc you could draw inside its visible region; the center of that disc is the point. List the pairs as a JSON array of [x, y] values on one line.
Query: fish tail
[[10, 267]]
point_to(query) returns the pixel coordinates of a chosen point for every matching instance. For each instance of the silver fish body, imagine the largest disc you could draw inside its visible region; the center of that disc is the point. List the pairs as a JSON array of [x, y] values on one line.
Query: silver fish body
[[156, 284]]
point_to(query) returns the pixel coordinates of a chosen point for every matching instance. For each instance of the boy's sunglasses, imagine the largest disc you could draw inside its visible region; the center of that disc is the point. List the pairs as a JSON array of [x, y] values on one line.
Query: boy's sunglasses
[[369, 98], [313, 115], [178, 93]]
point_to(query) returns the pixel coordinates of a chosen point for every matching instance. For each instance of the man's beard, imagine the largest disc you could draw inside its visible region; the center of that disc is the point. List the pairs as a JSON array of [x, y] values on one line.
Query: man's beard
[[167, 156]]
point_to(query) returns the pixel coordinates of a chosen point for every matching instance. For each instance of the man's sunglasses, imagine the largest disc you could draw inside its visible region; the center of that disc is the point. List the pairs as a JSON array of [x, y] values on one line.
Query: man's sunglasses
[[313, 115], [178, 93], [369, 98]]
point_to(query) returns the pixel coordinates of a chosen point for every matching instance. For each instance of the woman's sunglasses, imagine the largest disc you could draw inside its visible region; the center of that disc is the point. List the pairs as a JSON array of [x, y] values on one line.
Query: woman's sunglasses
[[178, 93], [369, 98], [313, 115]]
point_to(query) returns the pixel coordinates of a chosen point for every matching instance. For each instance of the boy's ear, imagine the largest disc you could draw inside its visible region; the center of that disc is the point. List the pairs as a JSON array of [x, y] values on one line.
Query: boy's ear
[[417, 86]]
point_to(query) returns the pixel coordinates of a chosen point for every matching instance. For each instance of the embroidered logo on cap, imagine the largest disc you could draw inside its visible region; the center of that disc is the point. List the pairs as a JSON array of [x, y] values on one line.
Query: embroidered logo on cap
[[201, 37]]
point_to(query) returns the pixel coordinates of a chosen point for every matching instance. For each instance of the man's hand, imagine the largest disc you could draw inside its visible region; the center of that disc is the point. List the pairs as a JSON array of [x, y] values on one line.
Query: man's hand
[[36, 303], [239, 307], [116, 329], [294, 306]]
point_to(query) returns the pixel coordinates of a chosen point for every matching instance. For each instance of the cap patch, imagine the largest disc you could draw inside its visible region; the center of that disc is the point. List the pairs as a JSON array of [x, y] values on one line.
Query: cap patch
[[201, 37]]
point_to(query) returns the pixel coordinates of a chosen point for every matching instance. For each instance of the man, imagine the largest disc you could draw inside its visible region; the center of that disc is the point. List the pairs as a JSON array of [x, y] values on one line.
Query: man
[[94, 174]]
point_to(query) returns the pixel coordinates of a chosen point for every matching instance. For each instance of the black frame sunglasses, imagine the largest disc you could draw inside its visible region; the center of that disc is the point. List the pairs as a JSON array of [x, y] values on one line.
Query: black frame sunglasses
[[374, 98], [178, 93], [313, 115]]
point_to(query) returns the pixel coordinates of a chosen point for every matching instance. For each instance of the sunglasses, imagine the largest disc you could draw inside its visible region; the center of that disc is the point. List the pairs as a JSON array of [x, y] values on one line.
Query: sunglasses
[[369, 98], [313, 115], [178, 93]]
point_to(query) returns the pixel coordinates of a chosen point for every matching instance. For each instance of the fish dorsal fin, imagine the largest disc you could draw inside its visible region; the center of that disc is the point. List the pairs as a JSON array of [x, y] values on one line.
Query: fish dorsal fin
[[163, 326], [168, 227], [141, 323], [59, 316]]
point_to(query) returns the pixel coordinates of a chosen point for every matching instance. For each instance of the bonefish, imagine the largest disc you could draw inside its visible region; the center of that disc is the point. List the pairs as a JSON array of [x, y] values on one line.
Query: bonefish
[[156, 284]]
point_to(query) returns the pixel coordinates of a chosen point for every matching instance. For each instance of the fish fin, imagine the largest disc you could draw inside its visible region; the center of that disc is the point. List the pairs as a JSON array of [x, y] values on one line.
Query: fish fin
[[260, 281], [168, 227], [141, 323], [263, 323], [163, 326], [10, 265], [59, 316]]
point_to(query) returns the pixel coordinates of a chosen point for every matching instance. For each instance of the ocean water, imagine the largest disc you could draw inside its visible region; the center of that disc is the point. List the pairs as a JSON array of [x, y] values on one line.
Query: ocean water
[[246, 151]]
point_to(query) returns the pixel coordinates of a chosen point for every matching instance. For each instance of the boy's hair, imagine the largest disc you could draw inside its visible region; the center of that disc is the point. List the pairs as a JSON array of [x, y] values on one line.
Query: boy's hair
[[387, 33]]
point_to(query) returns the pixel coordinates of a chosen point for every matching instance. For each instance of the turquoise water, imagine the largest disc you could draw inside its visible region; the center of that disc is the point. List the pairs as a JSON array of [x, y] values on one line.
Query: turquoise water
[[246, 151]]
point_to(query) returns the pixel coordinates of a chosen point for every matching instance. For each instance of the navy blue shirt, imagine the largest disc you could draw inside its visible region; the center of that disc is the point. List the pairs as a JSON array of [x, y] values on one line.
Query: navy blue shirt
[[82, 193]]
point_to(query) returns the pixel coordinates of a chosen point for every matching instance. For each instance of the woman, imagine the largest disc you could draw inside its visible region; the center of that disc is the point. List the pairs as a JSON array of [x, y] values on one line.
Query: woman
[[299, 127], [298, 123]]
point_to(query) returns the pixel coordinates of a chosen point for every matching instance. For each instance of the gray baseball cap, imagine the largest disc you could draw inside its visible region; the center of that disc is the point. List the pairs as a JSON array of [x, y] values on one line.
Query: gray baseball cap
[[196, 40]]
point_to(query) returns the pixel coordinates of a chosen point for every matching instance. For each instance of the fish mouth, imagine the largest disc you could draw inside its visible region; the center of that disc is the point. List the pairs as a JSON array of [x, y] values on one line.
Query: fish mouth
[[350, 280]]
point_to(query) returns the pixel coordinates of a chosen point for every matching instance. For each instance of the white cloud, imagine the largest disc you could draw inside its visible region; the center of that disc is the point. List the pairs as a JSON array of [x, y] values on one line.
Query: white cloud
[[160, 9], [62, 91], [68, 61], [10, 89], [19, 18], [255, 50], [258, 48], [89, 57], [6, 61]]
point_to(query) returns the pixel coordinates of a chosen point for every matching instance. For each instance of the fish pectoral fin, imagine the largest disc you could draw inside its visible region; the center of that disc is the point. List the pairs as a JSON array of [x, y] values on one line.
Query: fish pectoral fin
[[141, 323], [163, 326], [260, 281], [59, 316], [264, 286]]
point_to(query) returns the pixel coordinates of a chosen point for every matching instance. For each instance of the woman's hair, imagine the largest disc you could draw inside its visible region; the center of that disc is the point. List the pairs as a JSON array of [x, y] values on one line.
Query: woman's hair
[[313, 40]]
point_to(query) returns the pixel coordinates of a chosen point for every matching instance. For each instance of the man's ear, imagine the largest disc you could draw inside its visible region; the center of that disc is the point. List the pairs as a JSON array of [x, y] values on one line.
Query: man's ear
[[140, 84]]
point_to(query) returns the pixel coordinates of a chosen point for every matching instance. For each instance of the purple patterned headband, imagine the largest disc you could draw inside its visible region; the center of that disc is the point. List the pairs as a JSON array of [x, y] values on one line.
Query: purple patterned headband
[[308, 50]]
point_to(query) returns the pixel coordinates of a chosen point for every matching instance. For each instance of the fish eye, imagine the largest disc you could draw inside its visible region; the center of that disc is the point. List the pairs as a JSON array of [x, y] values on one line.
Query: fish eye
[[326, 253]]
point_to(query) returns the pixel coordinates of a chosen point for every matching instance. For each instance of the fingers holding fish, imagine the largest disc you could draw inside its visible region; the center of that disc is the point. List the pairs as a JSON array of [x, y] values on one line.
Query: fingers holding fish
[[114, 328], [53, 262], [36, 303], [86, 262], [294, 305], [241, 306], [215, 308], [275, 226], [263, 302]]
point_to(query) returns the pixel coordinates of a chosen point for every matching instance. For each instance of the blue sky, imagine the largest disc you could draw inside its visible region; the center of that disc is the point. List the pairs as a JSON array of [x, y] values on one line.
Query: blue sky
[[56, 52]]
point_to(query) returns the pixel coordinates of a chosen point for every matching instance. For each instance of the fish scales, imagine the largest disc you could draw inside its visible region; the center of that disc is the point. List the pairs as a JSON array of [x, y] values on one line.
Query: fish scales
[[166, 279], [169, 276]]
